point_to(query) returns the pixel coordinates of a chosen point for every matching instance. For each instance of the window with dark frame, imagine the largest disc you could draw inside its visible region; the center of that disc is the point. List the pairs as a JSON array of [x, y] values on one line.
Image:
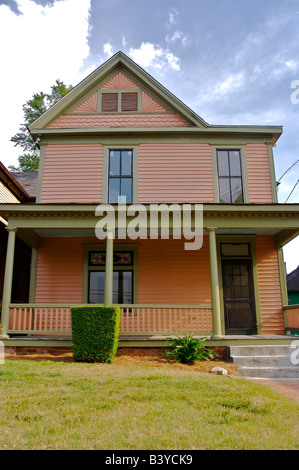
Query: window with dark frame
[[230, 176], [120, 176], [122, 277]]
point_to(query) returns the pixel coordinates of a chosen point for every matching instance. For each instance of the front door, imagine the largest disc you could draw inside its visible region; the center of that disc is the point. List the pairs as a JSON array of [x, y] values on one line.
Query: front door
[[238, 297]]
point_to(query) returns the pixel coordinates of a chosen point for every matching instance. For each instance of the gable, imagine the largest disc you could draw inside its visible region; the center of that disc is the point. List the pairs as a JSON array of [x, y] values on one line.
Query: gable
[[142, 102]]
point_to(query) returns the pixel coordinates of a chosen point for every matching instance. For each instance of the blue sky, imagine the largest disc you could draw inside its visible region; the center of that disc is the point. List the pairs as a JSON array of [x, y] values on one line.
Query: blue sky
[[231, 61]]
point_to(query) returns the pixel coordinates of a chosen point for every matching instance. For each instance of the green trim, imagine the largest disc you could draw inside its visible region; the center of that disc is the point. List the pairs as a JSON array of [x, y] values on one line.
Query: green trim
[[40, 173], [8, 278], [215, 293], [240, 239], [226, 146], [33, 275], [119, 93], [106, 149], [117, 247], [272, 173], [283, 285]]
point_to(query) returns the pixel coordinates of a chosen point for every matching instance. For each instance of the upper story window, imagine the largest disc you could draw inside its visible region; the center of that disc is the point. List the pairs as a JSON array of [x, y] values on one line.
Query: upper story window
[[119, 102], [120, 176], [230, 176]]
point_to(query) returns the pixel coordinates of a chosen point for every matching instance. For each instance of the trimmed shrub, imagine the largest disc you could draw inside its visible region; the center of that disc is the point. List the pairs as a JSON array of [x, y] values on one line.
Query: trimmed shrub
[[95, 332]]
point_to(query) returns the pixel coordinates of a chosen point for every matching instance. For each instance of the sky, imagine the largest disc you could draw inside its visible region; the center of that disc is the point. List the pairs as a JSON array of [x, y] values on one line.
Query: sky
[[231, 61]]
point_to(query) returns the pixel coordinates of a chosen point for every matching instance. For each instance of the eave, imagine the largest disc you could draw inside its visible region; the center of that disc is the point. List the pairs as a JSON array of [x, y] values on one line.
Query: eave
[[281, 220], [269, 133]]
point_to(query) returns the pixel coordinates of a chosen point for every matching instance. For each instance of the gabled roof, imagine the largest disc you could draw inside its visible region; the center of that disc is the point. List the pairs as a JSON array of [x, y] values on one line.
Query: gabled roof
[[120, 62], [102, 73]]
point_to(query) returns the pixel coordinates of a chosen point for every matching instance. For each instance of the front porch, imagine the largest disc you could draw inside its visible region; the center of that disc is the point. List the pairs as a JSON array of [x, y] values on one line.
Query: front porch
[[62, 240]]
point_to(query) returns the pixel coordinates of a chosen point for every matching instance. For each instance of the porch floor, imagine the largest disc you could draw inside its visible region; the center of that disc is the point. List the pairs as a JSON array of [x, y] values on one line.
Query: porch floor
[[149, 340]]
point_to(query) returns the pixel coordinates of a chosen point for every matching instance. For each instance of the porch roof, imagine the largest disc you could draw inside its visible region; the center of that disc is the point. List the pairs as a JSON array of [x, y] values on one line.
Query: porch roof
[[36, 220]]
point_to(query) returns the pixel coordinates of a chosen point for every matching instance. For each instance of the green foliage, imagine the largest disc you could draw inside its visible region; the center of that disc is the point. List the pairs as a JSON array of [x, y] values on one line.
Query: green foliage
[[95, 332], [187, 349], [33, 109]]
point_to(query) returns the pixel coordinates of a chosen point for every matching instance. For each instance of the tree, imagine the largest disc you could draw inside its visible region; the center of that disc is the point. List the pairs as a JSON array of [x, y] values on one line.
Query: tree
[[32, 109]]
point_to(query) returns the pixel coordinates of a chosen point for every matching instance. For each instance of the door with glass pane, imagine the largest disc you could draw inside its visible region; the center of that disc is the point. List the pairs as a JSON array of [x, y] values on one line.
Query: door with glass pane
[[238, 297]]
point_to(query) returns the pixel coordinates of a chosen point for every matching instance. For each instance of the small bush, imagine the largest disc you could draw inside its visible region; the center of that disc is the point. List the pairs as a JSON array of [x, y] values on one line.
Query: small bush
[[187, 349], [95, 332]]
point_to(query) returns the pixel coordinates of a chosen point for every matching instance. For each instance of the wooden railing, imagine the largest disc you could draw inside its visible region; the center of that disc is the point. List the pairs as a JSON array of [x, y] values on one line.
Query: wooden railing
[[292, 317], [50, 319]]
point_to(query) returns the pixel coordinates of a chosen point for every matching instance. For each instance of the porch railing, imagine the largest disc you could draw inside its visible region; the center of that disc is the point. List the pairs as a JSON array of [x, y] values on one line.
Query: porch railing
[[292, 317], [55, 319]]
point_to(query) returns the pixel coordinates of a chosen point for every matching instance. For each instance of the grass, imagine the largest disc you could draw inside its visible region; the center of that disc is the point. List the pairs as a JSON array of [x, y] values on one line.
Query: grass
[[59, 405]]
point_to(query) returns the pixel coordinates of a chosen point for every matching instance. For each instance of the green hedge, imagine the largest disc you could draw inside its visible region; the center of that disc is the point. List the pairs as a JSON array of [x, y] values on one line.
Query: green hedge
[[95, 332]]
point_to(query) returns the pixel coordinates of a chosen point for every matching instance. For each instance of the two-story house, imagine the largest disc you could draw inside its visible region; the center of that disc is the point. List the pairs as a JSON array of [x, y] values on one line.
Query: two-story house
[[117, 151]]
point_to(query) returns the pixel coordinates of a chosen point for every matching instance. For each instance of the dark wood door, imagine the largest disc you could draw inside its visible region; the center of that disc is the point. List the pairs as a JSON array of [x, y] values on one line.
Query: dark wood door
[[238, 297]]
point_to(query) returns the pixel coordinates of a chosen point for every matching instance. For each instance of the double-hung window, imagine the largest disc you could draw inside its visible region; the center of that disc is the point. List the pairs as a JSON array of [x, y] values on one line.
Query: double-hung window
[[230, 176], [123, 265], [120, 176]]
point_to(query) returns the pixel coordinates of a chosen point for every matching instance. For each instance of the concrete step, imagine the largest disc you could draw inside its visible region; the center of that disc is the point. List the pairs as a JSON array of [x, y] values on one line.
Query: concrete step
[[274, 362]]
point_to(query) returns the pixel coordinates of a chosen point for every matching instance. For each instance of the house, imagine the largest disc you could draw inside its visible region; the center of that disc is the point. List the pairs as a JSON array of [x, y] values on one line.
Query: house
[[293, 286], [143, 204], [11, 191]]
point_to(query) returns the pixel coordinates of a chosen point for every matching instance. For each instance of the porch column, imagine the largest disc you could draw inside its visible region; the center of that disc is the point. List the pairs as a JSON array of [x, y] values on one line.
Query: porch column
[[216, 314], [7, 285], [108, 294]]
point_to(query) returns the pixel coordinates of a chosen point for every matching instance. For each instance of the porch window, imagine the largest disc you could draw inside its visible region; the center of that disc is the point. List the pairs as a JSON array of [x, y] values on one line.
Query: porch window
[[122, 277], [230, 176], [120, 177]]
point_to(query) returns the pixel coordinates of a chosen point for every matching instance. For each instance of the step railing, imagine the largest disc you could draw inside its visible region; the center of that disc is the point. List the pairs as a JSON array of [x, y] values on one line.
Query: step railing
[[55, 319]]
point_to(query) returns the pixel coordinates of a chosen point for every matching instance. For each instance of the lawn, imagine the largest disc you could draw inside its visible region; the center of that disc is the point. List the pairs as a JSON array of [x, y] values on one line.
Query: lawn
[[67, 405]]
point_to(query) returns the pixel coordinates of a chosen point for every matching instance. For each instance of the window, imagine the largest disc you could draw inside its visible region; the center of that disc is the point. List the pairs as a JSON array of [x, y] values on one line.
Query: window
[[230, 176], [119, 102], [122, 277], [120, 176]]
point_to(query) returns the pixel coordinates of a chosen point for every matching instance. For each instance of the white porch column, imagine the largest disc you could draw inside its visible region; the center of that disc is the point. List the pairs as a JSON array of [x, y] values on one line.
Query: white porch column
[[108, 294], [8, 277], [216, 313]]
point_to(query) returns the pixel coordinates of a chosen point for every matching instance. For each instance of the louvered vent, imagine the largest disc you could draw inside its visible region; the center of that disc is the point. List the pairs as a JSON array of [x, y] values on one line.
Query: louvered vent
[[109, 102], [129, 102]]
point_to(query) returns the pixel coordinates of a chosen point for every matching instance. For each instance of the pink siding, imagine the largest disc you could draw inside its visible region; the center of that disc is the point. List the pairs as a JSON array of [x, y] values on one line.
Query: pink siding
[[175, 173], [167, 274], [119, 82], [89, 105], [269, 285], [259, 177], [149, 104], [118, 120], [72, 173], [59, 276]]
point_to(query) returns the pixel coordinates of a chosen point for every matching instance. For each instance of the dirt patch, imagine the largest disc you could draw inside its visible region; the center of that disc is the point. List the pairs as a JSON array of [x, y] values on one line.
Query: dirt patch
[[123, 360]]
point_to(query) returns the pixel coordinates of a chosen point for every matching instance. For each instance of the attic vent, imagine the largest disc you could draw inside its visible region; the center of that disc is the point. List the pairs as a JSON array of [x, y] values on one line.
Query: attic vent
[[129, 102], [109, 102]]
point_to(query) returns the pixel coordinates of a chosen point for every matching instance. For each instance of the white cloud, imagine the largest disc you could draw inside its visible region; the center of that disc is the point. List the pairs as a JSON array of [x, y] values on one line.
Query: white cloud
[[108, 49], [149, 55], [42, 44], [177, 35]]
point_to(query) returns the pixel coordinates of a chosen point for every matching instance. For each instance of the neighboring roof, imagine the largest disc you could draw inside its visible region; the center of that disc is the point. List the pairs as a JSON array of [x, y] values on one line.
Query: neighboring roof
[[28, 180], [14, 185], [293, 280], [121, 62]]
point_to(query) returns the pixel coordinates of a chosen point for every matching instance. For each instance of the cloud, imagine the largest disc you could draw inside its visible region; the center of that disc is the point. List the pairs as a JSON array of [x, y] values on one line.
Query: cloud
[[39, 45], [149, 55], [177, 35], [108, 49]]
